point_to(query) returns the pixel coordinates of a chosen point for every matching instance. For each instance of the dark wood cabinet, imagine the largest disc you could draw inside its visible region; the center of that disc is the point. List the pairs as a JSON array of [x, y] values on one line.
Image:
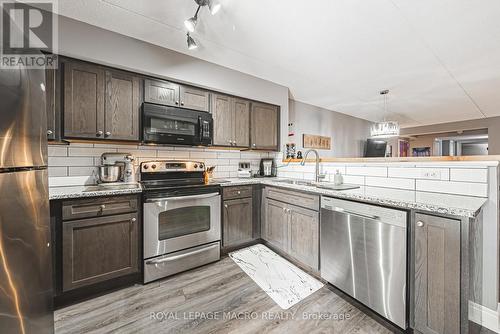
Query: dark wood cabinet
[[237, 221], [99, 249], [304, 236], [437, 274], [100, 103], [223, 120], [264, 126], [194, 98], [275, 230], [231, 121], [84, 96], [53, 103], [123, 106], [173, 94], [161, 92]]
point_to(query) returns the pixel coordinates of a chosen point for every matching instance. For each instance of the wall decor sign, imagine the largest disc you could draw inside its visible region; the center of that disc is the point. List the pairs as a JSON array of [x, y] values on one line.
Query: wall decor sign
[[318, 142]]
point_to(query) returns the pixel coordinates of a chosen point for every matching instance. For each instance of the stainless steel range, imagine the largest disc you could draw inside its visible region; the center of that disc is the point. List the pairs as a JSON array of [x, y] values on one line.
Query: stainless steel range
[[182, 218]]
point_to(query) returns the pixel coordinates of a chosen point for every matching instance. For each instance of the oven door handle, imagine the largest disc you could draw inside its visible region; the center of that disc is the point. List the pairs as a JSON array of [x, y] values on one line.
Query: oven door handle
[[181, 198], [180, 256]]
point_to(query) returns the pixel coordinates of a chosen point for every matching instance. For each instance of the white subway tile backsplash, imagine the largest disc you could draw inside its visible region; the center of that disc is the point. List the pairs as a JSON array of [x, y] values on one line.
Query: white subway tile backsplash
[[203, 155], [389, 193], [228, 155], [88, 151], [366, 171], [70, 161], [353, 179], [397, 183], [457, 188], [82, 171], [419, 173], [173, 154], [469, 175], [58, 171], [71, 181], [58, 151], [457, 201]]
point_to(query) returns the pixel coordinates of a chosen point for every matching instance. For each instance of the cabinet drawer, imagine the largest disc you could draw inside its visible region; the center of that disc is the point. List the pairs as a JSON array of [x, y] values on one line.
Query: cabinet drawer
[[100, 206], [292, 197], [237, 192]]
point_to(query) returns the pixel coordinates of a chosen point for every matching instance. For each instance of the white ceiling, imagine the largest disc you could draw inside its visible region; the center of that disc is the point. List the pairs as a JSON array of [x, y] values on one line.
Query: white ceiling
[[439, 58]]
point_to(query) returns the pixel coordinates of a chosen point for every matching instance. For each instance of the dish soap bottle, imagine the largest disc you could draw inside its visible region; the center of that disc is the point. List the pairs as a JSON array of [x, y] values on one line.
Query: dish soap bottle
[[337, 178]]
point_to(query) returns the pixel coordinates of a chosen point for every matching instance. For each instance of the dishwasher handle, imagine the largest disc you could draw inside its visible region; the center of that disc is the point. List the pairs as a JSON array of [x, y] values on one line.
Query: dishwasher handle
[[348, 212]]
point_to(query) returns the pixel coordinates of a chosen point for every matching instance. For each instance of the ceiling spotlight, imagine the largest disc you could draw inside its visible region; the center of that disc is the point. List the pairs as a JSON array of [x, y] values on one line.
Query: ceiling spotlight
[[214, 6], [191, 23], [191, 43]]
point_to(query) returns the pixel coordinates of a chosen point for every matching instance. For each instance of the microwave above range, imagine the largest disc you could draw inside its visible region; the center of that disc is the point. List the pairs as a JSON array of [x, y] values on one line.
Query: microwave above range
[[176, 126]]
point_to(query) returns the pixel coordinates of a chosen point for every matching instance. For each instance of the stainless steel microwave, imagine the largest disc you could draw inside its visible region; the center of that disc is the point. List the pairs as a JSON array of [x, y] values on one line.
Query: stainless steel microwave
[[177, 126]]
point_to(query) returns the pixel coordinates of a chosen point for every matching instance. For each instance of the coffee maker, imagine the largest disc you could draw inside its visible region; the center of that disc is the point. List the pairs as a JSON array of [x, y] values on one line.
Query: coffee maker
[[267, 168], [117, 168]]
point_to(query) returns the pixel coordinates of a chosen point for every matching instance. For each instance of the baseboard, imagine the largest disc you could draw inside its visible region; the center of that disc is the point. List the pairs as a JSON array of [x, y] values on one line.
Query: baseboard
[[484, 316]]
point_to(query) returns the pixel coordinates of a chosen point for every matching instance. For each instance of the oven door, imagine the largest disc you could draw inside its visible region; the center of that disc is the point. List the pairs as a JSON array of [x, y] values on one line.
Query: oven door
[[175, 223], [170, 125]]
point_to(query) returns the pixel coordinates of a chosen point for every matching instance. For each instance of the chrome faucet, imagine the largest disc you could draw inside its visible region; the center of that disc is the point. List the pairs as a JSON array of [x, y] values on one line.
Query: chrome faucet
[[318, 176]]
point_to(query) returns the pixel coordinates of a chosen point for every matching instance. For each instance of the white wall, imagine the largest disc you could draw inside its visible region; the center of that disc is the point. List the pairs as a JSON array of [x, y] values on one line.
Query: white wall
[[87, 42], [348, 133]]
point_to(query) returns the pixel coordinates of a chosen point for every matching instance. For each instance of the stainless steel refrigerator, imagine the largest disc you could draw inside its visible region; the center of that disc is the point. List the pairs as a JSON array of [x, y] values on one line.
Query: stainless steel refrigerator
[[25, 249]]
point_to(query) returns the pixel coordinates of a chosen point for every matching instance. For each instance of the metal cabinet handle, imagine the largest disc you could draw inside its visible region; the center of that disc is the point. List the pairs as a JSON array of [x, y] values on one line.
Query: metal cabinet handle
[[254, 145], [420, 224], [284, 209], [99, 133], [107, 134], [133, 220], [239, 192], [225, 205], [102, 206], [49, 132], [182, 103], [176, 102]]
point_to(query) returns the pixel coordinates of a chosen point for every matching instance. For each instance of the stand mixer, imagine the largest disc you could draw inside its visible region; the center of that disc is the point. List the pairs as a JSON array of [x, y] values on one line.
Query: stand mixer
[[117, 168]]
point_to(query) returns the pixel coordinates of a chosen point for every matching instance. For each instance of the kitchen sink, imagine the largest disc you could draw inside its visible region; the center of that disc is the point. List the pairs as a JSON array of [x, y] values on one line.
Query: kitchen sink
[[298, 182]]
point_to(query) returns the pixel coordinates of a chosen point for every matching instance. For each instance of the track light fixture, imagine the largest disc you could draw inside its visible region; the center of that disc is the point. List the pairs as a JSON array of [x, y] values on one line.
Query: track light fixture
[[191, 43], [213, 5]]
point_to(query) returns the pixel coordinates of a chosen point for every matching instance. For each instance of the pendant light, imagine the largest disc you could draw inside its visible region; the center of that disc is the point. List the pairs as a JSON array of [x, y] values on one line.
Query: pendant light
[[385, 129], [191, 43]]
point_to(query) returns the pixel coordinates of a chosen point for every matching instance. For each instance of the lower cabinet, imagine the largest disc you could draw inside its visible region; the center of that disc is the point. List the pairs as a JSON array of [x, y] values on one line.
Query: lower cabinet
[[237, 221], [293, 230], [99, 242], [437, 274]]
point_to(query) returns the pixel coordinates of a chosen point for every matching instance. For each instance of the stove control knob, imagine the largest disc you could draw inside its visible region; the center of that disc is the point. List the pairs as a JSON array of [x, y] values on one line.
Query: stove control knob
[[145, 166], [195, 165], [201, 166], [153, 166]]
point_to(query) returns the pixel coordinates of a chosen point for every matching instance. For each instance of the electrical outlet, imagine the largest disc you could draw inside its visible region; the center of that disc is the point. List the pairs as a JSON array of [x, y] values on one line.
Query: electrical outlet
[[431, 174]]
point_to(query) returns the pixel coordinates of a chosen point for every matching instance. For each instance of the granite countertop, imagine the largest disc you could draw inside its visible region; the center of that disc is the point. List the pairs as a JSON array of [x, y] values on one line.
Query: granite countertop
[[463, 206], [56, 193], [455, 205]]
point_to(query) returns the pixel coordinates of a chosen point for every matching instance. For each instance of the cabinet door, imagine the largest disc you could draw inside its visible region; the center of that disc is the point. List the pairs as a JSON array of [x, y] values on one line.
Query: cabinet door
[[437, 275], [53, 103], [264, 126], [83, 100], [194, 98], [241, 122], [161, 92], [276, 225], [304, 236], [237, 221], [122, 106], [98, 249], [223, 120]]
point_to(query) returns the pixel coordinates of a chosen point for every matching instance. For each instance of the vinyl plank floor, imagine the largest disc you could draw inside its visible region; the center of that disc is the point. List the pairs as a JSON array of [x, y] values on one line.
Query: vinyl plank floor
[[216, 298]]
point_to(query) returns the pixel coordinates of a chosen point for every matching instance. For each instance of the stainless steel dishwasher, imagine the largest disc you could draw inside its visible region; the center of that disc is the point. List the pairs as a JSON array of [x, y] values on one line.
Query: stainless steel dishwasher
[[363, 253]]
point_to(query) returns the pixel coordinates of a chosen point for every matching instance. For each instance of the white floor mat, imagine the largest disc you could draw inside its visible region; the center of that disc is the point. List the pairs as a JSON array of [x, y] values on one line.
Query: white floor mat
[[282, 281]]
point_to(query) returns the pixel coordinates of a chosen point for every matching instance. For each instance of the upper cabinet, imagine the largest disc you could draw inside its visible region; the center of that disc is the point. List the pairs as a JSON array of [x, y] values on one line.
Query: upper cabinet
[[53, 105], [264, 126], [100, 103], [231, 121], [123, 106], [173, 94], [83, 100]]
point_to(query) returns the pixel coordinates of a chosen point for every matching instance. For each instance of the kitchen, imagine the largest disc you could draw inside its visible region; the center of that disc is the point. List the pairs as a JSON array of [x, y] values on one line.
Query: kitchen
[[197, 183]]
